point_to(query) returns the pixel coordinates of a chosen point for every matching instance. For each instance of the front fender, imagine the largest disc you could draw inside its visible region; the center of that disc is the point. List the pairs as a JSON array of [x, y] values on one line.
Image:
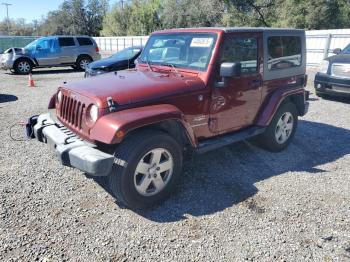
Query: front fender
[[106, 128], [18, 56]]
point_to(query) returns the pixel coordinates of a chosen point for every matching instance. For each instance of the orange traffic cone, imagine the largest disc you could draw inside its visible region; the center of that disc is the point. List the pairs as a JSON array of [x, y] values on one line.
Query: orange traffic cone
[[31, 81]]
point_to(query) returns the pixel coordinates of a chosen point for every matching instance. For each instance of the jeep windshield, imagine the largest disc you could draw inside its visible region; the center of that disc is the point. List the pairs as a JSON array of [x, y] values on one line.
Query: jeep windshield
[[180, 50]]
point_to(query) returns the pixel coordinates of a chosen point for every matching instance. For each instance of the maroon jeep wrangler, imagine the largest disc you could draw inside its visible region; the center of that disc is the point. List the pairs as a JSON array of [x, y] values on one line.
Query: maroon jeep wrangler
[[198, 89]]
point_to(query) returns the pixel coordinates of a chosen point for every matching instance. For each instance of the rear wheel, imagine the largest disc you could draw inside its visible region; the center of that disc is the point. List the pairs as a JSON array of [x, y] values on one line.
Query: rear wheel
[[23, 66], [83, 62], [148, 166], [280, 133]]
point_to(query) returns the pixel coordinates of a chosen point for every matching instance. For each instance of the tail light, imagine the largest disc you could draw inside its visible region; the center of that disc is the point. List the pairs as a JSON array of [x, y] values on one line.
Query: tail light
[[97, 49]]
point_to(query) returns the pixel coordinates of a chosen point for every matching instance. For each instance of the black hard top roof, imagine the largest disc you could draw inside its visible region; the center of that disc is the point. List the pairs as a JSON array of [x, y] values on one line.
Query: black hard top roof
[[235, 29], [258, 29]]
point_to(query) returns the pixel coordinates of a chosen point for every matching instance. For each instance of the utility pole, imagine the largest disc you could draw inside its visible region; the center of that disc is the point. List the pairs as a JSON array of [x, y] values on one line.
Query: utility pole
[[8, 20]]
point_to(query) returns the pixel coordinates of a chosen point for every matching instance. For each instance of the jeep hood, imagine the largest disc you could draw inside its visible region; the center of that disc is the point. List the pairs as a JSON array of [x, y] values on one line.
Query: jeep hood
[[133, 86]]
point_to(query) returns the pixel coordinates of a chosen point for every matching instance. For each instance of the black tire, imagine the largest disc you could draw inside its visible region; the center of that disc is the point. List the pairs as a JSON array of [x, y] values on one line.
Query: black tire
[[268, 140], [121, 181], [23, 66], [324, 96], [80, 61]]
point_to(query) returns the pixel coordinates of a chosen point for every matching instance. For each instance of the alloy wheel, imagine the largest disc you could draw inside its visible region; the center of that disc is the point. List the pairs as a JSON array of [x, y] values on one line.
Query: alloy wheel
[[84, 63], [24, 66], [153, 172], [284, 128]]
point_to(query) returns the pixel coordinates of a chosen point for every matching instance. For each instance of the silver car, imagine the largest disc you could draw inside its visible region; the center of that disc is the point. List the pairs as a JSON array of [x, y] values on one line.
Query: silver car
[[74, 51]]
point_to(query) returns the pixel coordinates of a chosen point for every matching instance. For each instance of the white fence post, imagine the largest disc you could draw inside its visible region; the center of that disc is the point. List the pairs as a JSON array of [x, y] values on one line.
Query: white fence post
[[327, 46]]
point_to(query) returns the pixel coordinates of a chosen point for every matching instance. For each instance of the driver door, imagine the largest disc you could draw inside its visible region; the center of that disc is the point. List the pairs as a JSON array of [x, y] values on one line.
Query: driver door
[[46, 52], [235, 105]]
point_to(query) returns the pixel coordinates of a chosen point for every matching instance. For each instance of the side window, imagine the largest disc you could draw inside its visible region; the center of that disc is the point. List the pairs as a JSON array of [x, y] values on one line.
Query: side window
[[243, 50], [45, 44], [66, 41], [284, 52], [84, 41]]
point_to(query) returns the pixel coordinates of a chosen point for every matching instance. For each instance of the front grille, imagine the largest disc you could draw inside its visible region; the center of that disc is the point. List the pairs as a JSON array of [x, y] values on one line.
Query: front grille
[[341, 70], [71, 111]]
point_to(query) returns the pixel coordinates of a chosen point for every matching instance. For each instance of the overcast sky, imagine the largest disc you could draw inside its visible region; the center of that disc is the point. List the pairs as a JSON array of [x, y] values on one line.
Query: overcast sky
[[31, 9]]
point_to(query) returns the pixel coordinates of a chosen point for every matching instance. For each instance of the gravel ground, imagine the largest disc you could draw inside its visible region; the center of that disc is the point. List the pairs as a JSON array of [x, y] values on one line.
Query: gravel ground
[[234, 204]]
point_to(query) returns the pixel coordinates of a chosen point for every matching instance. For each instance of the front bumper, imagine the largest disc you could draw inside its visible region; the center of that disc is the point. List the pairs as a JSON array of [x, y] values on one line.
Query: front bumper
[[326, 84], [6, 63], [71, 150]]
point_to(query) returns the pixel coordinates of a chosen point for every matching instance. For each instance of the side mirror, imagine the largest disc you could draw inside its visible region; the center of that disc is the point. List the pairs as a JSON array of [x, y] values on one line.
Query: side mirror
[[39, 48], [229, 70], [337, 51]]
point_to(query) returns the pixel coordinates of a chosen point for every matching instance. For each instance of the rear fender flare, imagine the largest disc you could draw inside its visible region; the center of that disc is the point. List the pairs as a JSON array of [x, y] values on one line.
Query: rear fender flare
[[106, 128], [271, 105]]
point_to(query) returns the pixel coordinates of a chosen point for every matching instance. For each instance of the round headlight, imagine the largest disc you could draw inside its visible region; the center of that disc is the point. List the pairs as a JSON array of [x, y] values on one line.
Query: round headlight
[[324, 66], [93, 113], [59, 96]]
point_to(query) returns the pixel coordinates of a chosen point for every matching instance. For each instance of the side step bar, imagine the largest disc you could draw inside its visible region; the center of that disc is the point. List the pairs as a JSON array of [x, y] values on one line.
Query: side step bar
[[224, 140]]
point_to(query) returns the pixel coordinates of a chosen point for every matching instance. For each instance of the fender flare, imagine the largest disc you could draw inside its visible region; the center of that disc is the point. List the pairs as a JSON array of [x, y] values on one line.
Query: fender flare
[[81, 55], [33, 61], [106, 128], [272, 103], [52, 102]]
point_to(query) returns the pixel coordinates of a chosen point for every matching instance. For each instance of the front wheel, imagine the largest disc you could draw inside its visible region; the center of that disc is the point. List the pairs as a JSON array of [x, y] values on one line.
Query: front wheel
[[148, 166], [280, 133], [23, 66]]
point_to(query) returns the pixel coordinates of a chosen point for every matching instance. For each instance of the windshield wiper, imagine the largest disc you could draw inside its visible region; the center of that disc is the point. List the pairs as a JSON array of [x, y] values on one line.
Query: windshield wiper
[[173, 66]]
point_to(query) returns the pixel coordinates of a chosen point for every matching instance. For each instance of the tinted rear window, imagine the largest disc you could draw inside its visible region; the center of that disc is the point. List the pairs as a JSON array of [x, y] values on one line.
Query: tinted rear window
[[84, 41], [66, 41], [284, 52]]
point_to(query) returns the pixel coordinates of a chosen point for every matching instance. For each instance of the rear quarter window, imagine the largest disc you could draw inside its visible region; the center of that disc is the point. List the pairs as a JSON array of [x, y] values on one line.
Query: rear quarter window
[[84, 41], [284, 52], [66, 41]]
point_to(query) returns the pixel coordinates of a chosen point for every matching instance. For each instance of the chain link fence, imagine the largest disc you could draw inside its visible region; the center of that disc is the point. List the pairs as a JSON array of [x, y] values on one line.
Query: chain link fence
[[14, 41]]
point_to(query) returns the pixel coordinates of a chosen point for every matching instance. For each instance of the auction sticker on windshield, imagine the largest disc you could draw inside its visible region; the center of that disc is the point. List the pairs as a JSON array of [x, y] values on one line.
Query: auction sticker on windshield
[[201, 42]]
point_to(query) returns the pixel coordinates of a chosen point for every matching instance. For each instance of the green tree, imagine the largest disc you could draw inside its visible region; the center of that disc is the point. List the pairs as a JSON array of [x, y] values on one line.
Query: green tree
[[76, 17], [191, 13], [310, 14], [18, 27], [307, 14], [137, 17], [144, 17], [115, 22], [249, 13]]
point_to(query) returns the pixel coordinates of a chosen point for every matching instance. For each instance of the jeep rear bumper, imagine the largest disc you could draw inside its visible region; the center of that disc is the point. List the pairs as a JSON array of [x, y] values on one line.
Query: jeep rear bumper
[[71, 150]]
